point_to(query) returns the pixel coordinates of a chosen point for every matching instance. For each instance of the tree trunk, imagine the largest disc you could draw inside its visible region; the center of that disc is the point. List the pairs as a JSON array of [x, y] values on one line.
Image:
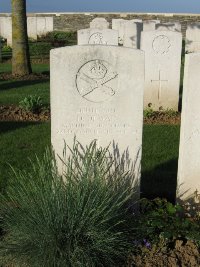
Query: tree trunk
[[20, 57]]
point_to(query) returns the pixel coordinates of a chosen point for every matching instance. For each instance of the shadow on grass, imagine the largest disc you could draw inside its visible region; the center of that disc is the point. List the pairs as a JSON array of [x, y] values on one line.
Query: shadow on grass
[[17, 84], [160, 181], [7, 126]]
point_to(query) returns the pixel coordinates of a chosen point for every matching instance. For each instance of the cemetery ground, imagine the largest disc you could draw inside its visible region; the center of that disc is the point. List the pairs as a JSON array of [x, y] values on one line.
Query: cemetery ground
[[24, 136]]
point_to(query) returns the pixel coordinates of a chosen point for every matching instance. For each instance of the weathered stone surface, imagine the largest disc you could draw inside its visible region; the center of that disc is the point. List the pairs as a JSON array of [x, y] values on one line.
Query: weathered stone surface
[[118, 25], [44, 25], [97, 93], [192, 42], [150, 25], [99, 23], [129, 31], [35, 26], [162, 68], [32, 27], [189, 149], [97, 36], [132, 34], [6, 29], [170, 26], [137, 20]]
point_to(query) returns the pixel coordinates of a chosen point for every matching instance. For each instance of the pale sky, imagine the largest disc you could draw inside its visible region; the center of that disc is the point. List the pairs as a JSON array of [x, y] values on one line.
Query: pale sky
[[157, 6]]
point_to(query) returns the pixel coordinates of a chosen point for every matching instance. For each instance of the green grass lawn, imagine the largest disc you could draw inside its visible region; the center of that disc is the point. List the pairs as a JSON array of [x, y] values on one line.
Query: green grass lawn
[[20, 141], [11, 92]]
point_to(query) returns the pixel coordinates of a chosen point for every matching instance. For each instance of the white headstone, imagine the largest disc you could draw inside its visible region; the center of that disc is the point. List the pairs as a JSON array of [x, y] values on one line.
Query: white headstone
[[150, 25], [129, 31], [118, 25], [132, 34], [170, 26], [99, 23], [44, 25], [97, 36], [136, 20], [32, 27], [162, 68], [97, 93], [189, 149], [6, 29], [192, 42]]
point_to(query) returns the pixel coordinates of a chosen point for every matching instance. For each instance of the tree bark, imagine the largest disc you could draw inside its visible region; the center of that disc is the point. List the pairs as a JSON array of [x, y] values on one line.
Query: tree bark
[[20, 57]]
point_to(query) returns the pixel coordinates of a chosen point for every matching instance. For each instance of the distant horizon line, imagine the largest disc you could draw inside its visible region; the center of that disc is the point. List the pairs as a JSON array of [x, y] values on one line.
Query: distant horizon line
[[106, 12]]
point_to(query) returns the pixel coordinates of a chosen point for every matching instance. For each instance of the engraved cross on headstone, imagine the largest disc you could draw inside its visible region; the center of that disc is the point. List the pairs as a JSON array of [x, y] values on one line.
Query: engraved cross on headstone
[[160, 81]]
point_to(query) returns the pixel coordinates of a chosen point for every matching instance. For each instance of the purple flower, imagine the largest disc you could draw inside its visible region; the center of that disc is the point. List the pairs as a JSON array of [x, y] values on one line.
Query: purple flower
[[147, 244]]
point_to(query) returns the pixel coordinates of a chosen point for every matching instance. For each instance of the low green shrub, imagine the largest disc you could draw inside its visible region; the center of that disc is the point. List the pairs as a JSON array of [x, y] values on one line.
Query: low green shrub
[[31, 103], [161, 220], [81, 219], [170, 113], [148, 112], [6, 48], [60, 38], [39, 49]]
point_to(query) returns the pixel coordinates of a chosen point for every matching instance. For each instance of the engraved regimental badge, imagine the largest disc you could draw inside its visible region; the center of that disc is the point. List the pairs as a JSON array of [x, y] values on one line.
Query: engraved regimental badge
[[96, 81], [161, 44], [97, 38]]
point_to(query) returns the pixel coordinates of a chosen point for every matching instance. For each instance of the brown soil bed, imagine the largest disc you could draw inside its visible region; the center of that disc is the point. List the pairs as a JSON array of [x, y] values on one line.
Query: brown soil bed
[[14, 113], [161, 117], [182, 254], [30, 77]]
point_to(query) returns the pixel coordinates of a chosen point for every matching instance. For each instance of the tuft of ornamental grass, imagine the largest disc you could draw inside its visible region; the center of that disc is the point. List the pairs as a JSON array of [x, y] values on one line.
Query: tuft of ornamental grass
[[82, 219]]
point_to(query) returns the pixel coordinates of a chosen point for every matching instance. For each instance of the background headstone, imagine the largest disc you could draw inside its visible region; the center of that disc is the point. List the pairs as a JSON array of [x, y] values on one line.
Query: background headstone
[[32, 27], [99, 23], [136, 20], [97, 36], [189, 149], [192, 42], [150, 25], [162, 68], [6, 29], [170, 26], [132, 34], [44, 25], [97, 93], [118, 25]]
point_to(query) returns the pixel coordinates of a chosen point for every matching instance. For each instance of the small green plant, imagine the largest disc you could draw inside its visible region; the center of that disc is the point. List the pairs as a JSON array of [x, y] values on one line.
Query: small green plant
[[170, 113], [161, 220], [148, 112], [39, 49], [80, 219], [6, 48], [31, 103]]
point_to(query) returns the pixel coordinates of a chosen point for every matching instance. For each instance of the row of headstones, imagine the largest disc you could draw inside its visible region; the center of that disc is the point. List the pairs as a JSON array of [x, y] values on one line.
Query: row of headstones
[[162, 56], [123, 32], [129, 31], [97, 93], [36, 26]]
